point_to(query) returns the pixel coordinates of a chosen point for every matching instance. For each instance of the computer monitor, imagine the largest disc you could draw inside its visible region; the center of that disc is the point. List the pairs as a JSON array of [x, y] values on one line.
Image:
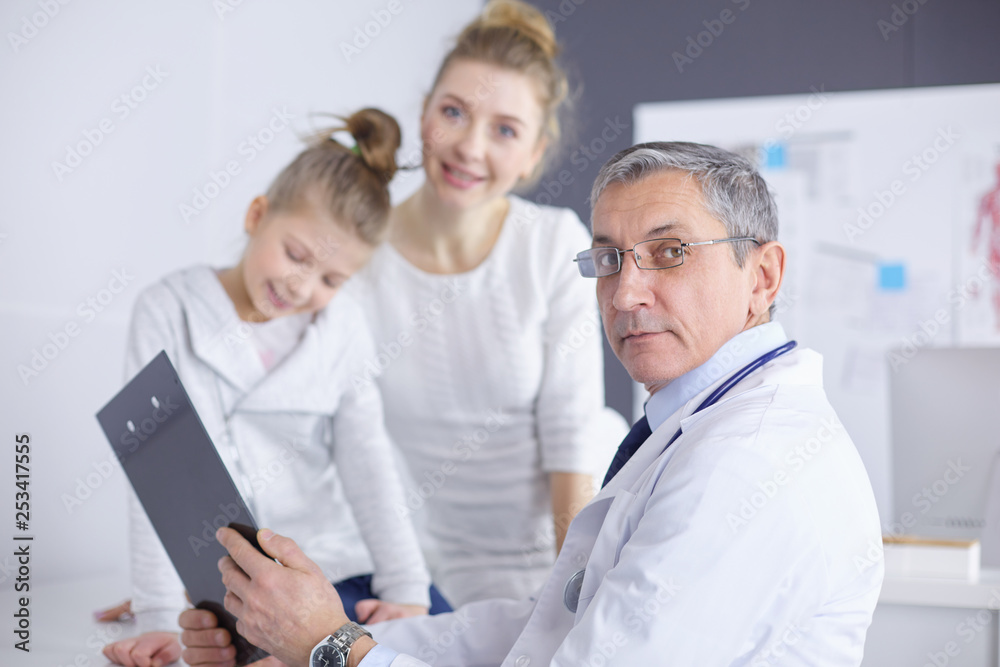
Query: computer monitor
[[945, 405]]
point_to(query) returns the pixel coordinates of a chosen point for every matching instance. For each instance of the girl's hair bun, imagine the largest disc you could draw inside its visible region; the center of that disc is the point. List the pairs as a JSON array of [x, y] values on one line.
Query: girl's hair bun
[[347, 179], [377, 137]]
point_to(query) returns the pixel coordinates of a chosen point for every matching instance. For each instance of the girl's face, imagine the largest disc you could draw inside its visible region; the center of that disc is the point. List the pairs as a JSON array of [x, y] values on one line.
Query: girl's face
[[481, 130], [296, 262]]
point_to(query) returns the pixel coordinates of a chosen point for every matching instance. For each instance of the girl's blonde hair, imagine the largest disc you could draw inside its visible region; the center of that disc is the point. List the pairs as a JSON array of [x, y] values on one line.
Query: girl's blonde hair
[[349, 183], [516, 36]]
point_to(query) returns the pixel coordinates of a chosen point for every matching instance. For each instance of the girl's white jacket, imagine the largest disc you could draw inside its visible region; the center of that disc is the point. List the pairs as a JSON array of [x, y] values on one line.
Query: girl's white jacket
[[283, 435]]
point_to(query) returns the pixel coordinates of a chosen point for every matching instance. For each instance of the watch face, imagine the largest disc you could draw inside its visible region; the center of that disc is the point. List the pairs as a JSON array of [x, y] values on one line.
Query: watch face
[[328, 656]]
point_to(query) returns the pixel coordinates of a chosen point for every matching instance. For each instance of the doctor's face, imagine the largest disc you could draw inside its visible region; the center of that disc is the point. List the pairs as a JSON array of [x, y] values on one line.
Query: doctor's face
[[664, 323]]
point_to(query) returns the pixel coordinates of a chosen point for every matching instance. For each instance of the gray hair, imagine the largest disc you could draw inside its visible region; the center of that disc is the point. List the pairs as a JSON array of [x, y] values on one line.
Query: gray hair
[[733, 190]]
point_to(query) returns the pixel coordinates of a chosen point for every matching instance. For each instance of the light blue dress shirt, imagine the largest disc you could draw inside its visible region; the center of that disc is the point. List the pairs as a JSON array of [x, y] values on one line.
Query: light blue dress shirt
[[741, 349]]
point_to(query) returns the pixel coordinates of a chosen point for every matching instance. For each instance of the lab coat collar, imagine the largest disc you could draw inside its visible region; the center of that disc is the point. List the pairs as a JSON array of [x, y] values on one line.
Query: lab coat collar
[[220, 339], [736, 353], [799, 367]]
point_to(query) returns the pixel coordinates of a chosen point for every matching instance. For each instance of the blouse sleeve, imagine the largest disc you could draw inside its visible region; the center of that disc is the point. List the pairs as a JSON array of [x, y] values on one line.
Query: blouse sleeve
[[577, 432], [363, 456], [157, 591]]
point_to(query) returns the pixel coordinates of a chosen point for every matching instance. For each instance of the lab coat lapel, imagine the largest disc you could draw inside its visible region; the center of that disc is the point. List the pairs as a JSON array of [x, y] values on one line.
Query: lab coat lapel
[[632, 472]]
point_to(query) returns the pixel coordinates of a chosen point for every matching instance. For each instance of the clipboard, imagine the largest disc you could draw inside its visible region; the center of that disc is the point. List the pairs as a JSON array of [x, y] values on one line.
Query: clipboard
[[182, 484]]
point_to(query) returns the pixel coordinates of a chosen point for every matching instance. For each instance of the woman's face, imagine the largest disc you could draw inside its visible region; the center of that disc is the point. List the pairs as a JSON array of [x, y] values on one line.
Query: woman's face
[[481, 130], [296, 262]]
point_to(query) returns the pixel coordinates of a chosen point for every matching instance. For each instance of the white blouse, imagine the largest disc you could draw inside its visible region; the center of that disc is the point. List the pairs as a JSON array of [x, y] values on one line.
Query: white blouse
[[491, 379]]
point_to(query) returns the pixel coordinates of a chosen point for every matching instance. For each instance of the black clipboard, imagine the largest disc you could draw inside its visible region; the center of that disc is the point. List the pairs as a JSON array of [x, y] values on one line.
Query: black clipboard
[[182, 483]]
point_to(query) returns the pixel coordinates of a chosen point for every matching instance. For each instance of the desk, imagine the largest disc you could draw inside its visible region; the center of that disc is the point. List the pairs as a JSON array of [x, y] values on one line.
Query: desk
[[914, 617], [917, 618], [63, 630]]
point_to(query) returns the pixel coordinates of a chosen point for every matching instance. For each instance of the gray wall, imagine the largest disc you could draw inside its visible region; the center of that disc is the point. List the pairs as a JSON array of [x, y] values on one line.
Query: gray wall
[[622, 54]]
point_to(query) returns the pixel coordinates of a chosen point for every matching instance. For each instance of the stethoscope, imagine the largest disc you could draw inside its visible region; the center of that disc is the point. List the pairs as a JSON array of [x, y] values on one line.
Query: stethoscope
[[571, 594]]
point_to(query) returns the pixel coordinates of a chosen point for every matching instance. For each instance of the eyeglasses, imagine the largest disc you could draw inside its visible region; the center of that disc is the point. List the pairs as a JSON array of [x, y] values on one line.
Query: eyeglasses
[[650, 255]]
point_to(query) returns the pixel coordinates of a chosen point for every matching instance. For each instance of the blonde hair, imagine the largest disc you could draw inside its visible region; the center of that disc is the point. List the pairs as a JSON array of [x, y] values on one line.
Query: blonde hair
[[352, 185], [516, 36]]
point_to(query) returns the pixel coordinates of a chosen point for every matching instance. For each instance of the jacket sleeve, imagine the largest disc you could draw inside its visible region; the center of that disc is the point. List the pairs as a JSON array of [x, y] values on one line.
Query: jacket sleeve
[[157, 591], [363, 457], [479, 633], [576, 431]]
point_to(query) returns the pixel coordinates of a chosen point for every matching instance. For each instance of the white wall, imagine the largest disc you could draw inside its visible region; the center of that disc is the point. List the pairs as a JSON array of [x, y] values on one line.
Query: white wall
[[65, 234]]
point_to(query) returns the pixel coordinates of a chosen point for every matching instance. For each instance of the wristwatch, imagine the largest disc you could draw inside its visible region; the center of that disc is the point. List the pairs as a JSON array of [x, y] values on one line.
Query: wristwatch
[[333, 651]]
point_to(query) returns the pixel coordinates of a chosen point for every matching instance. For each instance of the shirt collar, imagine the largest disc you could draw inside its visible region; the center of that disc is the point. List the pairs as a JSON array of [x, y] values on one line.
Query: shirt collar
[[739, 351]]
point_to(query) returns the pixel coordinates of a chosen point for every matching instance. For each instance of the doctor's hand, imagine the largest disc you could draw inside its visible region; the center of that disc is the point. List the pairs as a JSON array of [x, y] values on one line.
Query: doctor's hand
[[375, 611], [285, 608], [205, 643]]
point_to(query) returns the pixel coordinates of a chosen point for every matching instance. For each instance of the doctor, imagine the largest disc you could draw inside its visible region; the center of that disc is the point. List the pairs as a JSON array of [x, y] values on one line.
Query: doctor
[[737, 520]]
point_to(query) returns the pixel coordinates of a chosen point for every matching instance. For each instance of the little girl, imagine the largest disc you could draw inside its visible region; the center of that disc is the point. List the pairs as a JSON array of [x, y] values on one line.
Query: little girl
[[268, 357]]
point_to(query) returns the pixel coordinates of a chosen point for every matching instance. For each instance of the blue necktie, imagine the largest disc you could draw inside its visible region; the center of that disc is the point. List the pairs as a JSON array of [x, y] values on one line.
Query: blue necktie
[[630, 445]]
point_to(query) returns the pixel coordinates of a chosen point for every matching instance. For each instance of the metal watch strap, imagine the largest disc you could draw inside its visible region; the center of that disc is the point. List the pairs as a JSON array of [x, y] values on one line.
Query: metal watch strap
[[345, 636]]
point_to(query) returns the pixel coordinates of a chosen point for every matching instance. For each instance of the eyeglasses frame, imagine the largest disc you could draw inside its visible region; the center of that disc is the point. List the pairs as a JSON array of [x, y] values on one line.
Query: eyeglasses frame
[[683, 245]]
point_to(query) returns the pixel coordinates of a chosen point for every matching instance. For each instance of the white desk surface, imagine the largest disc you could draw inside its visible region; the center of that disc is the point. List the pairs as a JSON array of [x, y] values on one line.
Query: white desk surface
[[63, 630], [926, 592], [65, 634]]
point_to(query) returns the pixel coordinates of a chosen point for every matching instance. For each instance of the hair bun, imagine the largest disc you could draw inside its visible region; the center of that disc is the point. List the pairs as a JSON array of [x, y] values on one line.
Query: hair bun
[[377, 137], [520, 16]]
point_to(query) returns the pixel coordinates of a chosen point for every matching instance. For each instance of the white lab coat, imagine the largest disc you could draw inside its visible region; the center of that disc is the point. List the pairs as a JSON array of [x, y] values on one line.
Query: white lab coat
[[752, 540]]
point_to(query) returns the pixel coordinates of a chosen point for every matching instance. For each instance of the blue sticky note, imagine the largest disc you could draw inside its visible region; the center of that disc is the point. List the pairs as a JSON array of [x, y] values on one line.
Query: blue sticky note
[[891, 277], [774, 155]]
